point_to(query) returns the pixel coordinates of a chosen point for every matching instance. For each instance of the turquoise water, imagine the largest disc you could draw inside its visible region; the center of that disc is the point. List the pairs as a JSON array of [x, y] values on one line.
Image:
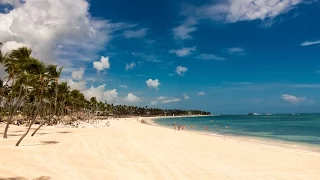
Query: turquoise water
[[304, 128]]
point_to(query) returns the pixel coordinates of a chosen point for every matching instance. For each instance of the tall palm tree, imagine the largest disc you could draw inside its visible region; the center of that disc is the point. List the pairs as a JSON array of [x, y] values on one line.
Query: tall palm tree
[[54, 75], [39, 80], [14, 65]]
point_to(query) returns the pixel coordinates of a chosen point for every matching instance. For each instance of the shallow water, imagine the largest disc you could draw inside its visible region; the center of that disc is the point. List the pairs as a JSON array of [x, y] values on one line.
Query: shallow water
[[302, 129]]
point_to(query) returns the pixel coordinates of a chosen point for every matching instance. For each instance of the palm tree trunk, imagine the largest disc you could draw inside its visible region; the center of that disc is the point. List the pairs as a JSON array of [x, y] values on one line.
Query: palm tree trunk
[[56, 98], [14, 109], [34, 117], [43, 122]]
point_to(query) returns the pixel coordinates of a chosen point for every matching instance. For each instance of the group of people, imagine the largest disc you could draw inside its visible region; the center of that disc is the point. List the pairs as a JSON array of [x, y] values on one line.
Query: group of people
[[183, 127], [179, 127]]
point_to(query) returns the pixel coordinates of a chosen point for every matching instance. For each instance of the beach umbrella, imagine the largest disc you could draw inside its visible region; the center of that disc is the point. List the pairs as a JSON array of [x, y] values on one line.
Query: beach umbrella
[[18, 117], [66, 118]]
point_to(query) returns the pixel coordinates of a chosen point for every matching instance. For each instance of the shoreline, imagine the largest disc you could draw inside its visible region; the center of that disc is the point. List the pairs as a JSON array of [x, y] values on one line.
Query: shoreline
[[129, 149], [252, 139]]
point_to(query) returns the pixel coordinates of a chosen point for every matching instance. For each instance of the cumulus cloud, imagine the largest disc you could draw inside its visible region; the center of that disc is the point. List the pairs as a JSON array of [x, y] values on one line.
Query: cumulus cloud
[[102, 64], [185, 96], [165, 100], [211, 57], [309, 43], [293, 99], [130, 66], [140, 33], [101, 93], [12, 45], [153, 83], [180, 70], [53, 29], [131, 98], [14, 3], [201, 93], [110, 95], [78, 74], [183, 52], [80, 85]]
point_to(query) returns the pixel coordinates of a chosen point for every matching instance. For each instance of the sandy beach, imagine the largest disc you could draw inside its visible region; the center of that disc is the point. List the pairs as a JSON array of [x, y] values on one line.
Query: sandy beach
[[131, 150]]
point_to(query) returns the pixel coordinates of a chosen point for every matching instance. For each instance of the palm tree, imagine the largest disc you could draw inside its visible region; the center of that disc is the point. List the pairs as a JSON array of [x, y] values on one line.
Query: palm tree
[[14, 63], [39, 80], [53, 76]]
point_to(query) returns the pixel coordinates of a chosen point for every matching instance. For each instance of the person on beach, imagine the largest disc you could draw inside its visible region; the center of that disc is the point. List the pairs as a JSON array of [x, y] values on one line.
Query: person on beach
[[206, 128], [179, 127], [174, 127]]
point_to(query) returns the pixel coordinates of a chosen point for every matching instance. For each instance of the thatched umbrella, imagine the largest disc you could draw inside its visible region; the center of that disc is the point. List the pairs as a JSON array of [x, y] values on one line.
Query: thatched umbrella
[[66, 118], [74, 118], [4, 118]]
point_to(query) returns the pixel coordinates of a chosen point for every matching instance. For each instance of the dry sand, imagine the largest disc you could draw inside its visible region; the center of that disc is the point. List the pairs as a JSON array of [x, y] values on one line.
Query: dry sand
[[129, 150]]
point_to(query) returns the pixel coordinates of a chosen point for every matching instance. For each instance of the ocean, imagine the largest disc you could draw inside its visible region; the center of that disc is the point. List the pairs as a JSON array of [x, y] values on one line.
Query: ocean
[[302, 129]]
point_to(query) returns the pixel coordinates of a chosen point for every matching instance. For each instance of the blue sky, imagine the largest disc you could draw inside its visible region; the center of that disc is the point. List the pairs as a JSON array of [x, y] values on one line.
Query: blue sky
[[219, 56]]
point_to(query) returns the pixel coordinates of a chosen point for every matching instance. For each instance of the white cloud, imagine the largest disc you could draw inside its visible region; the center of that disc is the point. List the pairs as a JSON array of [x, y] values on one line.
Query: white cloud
[[201, 93], [101, 93], [130, 66], [102, 64], [123, 86], [173, 100], [110, 95], [309, 43], [14, 3], [78, 74], [146, 57], [183, 31], [247, 10], [80, 85], [236, 50], [153, 83], [12, 45], [183, 52], [161, 98], [292, 99], [165, 100], [185, 96], [154, 102], [131, 98], [135, 34], [54, 28], [211, 57], [180, 70]]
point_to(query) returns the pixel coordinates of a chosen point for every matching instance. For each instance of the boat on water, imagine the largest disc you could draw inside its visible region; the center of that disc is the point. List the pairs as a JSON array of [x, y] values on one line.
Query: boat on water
[[253, 114]]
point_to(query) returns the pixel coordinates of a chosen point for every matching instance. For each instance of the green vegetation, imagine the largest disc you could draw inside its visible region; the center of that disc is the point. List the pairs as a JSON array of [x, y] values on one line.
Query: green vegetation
[[32, 91]]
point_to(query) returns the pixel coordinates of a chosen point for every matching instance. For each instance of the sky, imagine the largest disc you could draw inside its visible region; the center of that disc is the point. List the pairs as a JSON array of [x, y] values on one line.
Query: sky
[[222, 56]]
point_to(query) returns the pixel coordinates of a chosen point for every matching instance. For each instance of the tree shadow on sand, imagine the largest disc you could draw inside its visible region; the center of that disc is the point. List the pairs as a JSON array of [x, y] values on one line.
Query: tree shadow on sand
[[23, 178], [42, 143]]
